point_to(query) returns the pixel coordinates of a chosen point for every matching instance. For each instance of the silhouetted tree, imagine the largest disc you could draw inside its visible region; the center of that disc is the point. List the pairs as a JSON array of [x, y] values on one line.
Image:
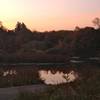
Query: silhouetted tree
[[77, 28], [2, 27], [32, 45], [23, 27], [96, 22], [18, 26]]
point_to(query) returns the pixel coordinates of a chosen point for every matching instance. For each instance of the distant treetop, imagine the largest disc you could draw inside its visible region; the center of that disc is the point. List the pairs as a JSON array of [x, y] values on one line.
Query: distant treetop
[[96, 22]]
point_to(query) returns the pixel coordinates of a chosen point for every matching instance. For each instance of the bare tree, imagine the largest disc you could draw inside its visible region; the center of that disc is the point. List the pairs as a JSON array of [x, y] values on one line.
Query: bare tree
[[96, 22]]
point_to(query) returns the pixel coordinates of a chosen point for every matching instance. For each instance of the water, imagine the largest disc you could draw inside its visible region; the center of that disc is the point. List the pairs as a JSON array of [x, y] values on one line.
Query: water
[[95, 58], [9, 72], [59, 77], [49, 77], [47, 74], [79, 60]]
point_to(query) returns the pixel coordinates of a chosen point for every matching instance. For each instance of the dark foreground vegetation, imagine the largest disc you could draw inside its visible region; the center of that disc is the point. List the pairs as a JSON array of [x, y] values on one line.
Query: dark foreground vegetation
[[86, 88], [24, 45], [29, 75]]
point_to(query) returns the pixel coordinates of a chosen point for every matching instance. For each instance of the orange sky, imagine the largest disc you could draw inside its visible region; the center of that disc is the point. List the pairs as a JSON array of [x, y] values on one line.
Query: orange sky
[[44, 15]]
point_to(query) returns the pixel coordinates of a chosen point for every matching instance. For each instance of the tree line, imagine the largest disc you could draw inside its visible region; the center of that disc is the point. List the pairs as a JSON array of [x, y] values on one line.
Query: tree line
[[24, 45]]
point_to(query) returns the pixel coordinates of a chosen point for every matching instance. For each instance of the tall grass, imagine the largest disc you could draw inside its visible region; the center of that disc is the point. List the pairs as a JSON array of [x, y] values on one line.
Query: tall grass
[[86, 88]]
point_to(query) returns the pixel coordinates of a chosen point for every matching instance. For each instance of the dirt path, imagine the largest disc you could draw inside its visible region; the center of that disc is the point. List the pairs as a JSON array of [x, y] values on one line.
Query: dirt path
[[10, 93]]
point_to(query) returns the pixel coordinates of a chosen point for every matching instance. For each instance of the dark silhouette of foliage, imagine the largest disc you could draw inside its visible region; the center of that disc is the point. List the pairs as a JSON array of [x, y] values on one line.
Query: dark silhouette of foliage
[[21, 44], [96, 22], [18, 26]]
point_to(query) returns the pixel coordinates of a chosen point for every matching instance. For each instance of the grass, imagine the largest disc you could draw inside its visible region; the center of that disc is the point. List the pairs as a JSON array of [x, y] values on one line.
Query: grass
[[81, 90], [25, 76], [58, 93], [86, 88]]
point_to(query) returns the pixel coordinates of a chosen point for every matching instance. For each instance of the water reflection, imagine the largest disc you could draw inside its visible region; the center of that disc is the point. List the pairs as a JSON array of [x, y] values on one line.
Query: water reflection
[[76, 61], [95, 58], [9, 72], [84, 59], [57, 78]]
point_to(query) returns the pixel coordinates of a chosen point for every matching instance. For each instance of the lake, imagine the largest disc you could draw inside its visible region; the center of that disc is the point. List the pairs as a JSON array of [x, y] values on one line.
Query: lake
[[44, 73]]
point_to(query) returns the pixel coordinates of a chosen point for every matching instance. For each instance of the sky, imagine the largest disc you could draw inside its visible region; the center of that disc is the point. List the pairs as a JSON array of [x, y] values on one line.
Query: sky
[[46, 15]]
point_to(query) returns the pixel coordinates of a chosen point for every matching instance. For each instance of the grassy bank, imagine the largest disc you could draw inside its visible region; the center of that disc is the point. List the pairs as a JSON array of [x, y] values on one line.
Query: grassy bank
[[86, 88]]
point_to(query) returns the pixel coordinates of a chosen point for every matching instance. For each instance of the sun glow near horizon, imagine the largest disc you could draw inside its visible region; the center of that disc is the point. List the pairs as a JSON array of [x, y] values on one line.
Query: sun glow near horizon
[[49, 14]]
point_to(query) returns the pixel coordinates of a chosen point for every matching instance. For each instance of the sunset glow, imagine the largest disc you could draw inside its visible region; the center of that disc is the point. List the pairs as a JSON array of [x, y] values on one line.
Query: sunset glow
[[44, 15]]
